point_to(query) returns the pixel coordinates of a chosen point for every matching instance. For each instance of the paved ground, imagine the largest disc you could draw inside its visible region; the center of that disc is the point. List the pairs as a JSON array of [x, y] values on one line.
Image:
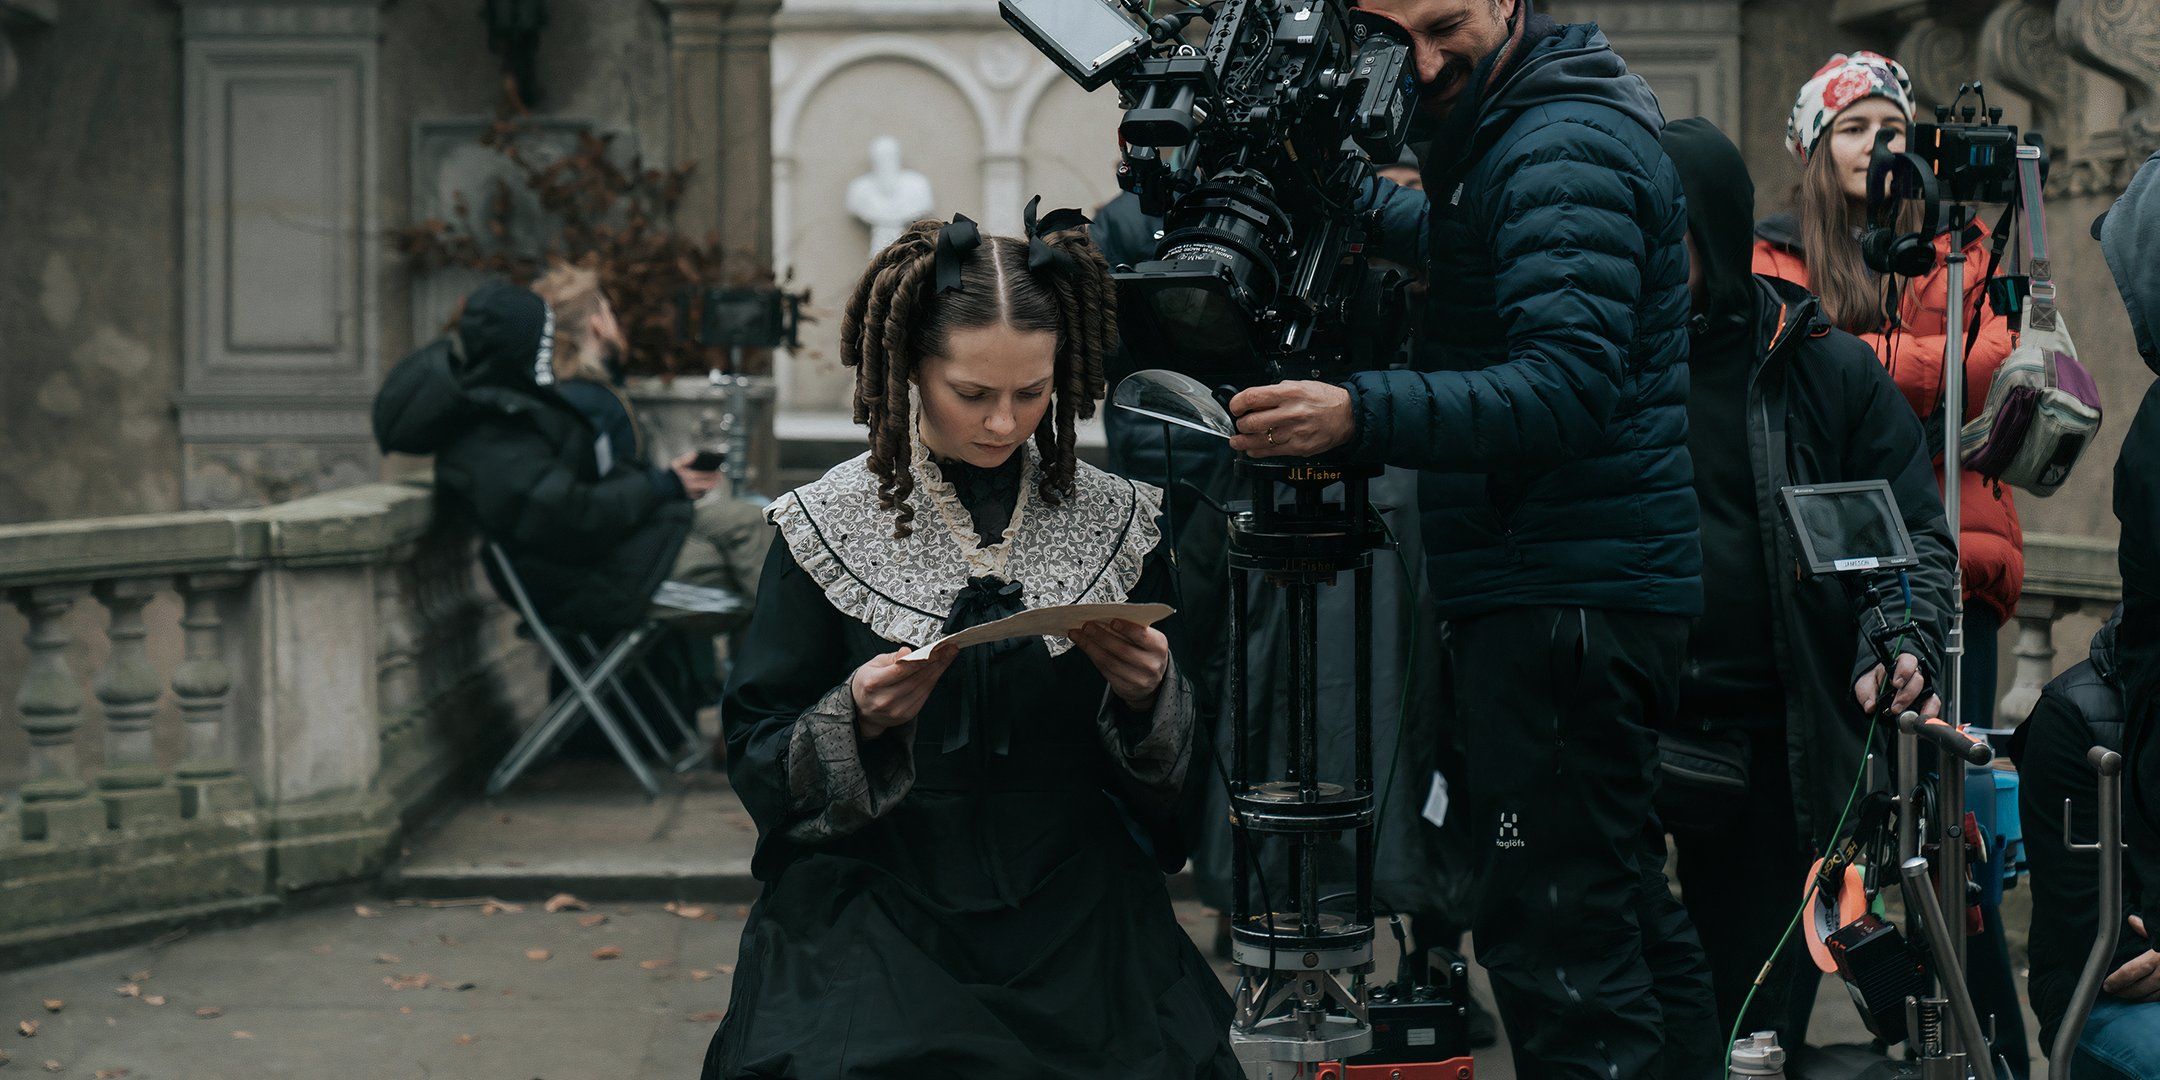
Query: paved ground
[[453, 987]]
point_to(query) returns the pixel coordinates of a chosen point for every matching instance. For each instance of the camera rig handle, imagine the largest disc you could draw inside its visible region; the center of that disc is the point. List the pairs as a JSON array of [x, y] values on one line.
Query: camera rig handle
[[2107, 767], [1920, 896], [1946, 738]]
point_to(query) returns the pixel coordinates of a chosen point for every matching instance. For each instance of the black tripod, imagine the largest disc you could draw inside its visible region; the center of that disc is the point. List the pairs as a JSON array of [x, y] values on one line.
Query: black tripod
[[1301, 994]]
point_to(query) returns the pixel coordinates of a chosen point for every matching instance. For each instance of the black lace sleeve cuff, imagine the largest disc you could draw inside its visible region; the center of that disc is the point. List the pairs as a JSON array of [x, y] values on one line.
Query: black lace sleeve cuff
[[1152, 749], [837, 781]]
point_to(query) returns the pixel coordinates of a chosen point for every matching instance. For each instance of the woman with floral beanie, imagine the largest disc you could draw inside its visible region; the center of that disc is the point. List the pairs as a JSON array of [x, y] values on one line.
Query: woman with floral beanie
[[1832, 133]]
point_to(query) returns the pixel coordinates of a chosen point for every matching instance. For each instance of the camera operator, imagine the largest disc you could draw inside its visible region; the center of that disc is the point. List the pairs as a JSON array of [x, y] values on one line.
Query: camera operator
[[1777, 397], [1547, 413]]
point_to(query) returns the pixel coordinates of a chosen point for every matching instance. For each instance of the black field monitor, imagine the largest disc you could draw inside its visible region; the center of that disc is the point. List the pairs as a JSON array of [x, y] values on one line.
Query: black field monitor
[[1848, 528], [1090, 39]]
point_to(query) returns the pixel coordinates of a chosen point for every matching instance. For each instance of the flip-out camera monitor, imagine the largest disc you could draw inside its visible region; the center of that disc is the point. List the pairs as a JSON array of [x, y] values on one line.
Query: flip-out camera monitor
[[1848, 528], [1090, 39]]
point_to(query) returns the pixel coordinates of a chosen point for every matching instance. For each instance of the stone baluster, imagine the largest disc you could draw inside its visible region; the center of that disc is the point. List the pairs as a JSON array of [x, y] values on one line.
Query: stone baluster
[[206, 776], [131, 785], [2035, 656], [396, 669], [56, 806]]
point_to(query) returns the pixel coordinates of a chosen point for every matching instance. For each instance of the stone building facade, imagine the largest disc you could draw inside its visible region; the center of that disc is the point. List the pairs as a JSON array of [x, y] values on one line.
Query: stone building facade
[[196, 298]]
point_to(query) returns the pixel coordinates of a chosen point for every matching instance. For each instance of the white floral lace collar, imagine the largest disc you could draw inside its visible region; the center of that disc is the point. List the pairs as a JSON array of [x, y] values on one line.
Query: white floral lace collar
[[1088, 550]]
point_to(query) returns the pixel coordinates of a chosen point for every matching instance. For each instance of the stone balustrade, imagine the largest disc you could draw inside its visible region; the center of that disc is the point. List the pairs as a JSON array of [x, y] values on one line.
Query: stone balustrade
[[2065, 576], [332, 663]]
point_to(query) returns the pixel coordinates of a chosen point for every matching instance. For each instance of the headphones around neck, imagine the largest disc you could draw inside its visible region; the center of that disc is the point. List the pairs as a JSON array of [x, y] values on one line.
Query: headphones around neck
[[1892, 180]]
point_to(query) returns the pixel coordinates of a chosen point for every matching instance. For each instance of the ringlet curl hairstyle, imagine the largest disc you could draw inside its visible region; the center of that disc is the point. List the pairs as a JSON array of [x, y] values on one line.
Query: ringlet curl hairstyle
[[897, 317]]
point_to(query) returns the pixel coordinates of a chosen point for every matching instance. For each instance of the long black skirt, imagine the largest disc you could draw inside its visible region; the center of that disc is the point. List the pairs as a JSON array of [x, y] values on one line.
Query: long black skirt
[[1013, 934]]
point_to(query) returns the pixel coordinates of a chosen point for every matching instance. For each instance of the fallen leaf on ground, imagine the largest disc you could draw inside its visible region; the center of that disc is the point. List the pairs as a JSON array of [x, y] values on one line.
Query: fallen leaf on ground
[[243, 1034], [466, 985], [607, 952], [502, 819], [53, 1066], [3, 1057], [590, 921], [460, 901], [654, 965], [498, 907], [366, 912], [54, 1004], [725, 969], [110, 1022], [537, 954], [128, 990], [27, 1028], [742, 911], [140, 976], [706, 1017], [563, 901], [464, 1040], [404, 1010], [385, 958], [209, 1012], [111, 1074], [408, 982], [322, 950], [700, 976], [687, 911], [154, 999]]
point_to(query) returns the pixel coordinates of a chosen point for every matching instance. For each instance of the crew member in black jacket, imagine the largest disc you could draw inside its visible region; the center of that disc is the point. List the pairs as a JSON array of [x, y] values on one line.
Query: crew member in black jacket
[[590, 544], [1777, 669]]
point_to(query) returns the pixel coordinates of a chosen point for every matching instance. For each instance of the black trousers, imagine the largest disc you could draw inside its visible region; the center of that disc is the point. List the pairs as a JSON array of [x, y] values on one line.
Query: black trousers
[[1594, 966], [1741, 882]]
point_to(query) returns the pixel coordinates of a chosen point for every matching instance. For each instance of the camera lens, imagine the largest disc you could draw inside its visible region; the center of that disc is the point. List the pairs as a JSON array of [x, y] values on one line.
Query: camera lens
[[1216, 272]]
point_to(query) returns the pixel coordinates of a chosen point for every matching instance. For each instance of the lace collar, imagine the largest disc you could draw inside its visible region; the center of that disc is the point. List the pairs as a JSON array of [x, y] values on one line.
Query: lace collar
[[1088, 550]]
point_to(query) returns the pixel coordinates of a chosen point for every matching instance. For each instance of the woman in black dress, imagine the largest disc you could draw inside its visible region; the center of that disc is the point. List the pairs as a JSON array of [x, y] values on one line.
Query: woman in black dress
[[963, 857]]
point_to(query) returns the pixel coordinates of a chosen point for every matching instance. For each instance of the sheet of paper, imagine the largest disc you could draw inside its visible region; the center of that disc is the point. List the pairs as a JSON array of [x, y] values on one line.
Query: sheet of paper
[[1058, 621]]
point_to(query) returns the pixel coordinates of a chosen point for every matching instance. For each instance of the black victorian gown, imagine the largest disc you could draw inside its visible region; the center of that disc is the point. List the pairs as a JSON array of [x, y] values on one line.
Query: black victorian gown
[[979, 893]]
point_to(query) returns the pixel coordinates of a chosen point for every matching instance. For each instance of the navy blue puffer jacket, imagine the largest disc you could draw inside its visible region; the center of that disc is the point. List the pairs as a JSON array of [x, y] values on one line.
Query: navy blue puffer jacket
[[1549, 405]]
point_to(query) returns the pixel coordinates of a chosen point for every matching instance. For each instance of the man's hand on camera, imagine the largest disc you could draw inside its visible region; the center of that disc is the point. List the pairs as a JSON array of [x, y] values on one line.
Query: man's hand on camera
[[1905, 686], [695, 484], [1292, 419]]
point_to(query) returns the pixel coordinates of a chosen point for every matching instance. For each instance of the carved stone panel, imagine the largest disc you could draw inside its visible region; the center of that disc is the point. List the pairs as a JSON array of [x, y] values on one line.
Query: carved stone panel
[[1688, 50], [2121, 40], [280, 239]]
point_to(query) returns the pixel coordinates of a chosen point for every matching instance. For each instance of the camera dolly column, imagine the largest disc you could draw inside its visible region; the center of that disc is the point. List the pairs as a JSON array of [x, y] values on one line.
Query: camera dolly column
[[1301, 994]]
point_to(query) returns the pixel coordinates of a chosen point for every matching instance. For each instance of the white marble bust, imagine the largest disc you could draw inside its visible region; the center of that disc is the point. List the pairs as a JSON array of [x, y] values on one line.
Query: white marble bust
[[888, 198]]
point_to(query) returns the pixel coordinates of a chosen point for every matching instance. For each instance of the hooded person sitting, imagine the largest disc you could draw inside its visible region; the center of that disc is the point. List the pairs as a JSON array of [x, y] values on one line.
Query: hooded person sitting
[[590, 543]]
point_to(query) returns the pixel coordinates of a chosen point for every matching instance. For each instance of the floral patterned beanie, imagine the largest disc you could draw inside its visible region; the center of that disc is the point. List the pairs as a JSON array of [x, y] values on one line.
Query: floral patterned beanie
[[1839, 83]]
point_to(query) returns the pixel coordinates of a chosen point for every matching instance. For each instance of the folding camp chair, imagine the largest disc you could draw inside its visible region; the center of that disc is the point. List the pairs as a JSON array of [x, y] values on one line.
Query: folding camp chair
[[594, 672]]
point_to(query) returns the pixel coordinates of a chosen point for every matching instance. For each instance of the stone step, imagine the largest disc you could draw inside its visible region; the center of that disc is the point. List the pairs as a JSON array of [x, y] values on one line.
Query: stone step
[[584, 827]]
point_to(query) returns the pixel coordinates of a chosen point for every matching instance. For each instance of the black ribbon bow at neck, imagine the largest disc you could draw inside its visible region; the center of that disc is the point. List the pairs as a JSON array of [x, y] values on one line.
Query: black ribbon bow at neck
[[983, 600], [955, 242], [1041, 256]]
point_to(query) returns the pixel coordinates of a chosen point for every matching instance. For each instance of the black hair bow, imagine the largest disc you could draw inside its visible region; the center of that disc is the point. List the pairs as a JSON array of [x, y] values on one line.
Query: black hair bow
[[955, 242], [1041, 256]]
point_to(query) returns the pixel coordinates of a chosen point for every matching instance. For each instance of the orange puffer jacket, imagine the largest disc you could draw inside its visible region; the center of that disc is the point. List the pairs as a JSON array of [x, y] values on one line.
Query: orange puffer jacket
[[1993, 552]]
